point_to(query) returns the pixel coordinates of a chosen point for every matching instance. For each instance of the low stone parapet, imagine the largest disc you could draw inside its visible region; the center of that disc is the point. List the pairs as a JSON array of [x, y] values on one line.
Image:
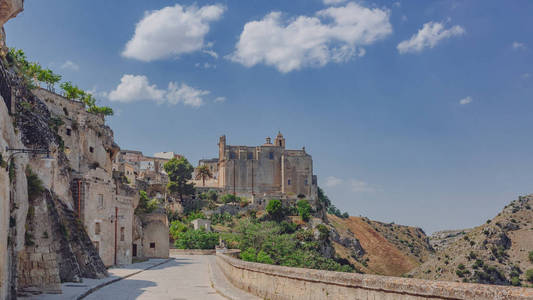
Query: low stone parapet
[[192, 252], [277, 282]]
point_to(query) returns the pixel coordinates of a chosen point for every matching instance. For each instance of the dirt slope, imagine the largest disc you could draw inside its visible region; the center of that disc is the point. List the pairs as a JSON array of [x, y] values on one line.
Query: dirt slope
[[390, 249]]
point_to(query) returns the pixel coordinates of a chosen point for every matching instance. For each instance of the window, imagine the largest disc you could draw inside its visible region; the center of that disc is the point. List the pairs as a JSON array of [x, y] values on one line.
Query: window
[[97, 228], [91, 149], [232, 155], [69, 131], [271, 155], [289, 182], [250, 155], [122, 234], [100, 201], [152, 245], [306, 182]]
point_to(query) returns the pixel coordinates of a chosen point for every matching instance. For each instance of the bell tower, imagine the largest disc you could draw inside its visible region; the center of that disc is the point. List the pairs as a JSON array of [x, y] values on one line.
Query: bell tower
[[280, 140]]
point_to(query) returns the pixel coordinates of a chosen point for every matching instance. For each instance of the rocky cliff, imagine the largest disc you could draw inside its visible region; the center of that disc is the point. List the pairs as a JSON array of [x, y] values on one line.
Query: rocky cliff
[[495, 252], [43, 241]]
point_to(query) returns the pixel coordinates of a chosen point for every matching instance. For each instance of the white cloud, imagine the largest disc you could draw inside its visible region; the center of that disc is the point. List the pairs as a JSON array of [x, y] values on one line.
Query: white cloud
[[519, 46], [333, 2], [332, 181], [135, 88], [138, 88], [185, 94], [335, 34], [211, 53], [70, 65], [526, 75], [397, 3], [428, 37], [358, 186], [465, 100], [220, 99], [171, 31]]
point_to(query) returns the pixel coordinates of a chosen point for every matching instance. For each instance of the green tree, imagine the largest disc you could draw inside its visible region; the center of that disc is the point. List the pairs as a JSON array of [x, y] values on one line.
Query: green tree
[[179, 172], [203, 172], [304, 209], [323, 198], [72, 92], [275, 209]]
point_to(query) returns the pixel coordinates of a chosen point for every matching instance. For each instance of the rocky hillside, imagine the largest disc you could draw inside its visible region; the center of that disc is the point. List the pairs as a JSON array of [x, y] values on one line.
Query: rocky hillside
[[389, 249], [495, 252]]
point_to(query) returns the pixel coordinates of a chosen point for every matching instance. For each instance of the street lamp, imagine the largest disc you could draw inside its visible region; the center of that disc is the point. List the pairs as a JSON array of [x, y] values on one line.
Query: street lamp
[[15, 151]]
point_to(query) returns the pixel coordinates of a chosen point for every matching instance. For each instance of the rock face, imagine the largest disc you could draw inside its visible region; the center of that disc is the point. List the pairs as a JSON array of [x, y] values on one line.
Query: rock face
[[44, 242], [8, 10], [495, 252]]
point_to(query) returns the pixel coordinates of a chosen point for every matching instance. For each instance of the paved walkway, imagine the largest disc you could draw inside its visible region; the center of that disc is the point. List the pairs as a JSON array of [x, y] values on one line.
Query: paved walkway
[[178, 278], [184, 277]]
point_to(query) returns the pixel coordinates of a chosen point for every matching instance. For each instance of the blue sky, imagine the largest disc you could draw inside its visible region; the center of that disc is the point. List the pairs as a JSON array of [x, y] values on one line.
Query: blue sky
[[417, 112]]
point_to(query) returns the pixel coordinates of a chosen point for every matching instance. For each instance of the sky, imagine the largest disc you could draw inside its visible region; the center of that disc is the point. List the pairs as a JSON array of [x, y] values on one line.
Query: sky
[[415, 112]]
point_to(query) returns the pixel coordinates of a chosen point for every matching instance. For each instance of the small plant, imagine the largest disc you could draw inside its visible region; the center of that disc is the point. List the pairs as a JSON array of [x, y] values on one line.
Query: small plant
[[45, 235], [28, 239], [529, 275], [530, 255]]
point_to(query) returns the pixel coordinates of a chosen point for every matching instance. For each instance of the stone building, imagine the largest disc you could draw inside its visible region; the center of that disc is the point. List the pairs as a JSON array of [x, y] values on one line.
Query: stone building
[[151, 238], [265, 171], [104, 204]]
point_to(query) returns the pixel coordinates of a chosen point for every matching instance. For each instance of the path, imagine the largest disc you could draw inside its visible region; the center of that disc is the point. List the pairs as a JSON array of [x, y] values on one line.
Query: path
[[184, 277]]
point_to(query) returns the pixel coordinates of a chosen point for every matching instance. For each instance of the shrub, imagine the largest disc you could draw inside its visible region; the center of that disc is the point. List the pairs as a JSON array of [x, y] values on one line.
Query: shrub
[[194, 215], [264, 258], [35, 185], [196, 239], [478, 264], [515, 281], [146, 205], [531, 256], [304, 209], [529, 275], [177, 227], [324, 231], [249, 254], [229, 198], [275, 209]]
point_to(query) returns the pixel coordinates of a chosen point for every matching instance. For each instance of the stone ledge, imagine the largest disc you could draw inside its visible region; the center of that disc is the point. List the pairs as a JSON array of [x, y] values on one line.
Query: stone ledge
[[328, 282], [192, 252]]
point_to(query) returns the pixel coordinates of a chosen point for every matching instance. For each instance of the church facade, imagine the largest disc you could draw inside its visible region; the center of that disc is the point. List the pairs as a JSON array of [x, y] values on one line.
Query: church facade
[[265, 171]]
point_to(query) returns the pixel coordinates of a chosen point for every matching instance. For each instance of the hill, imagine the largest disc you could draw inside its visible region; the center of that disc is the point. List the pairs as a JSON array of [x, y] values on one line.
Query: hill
[[389, 249], [495, 252]]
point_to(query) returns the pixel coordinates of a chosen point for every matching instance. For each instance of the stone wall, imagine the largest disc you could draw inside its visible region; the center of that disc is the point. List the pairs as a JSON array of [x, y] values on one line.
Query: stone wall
[[155, 239], [277, 282]]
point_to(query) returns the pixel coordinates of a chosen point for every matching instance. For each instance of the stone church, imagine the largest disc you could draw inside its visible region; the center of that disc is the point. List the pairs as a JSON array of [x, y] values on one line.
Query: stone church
[[263, 172]]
